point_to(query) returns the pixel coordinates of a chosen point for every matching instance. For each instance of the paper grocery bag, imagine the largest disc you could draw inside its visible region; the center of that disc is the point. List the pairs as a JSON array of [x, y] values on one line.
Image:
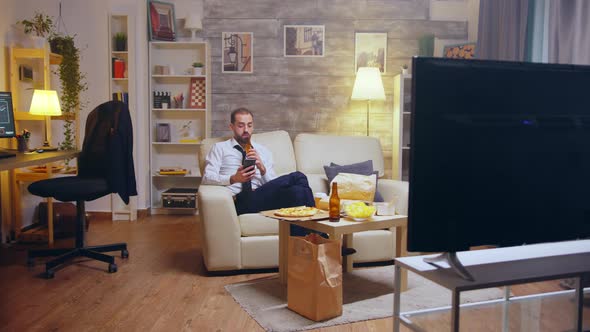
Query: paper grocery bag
[[315, 277]]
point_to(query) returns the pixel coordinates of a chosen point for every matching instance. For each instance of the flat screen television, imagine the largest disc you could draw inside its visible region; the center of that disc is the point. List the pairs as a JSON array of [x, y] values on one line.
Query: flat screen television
[[499, 155]]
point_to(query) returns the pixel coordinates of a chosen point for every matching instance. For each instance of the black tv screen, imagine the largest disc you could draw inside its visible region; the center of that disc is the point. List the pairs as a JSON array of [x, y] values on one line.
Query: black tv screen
[[499, 155]]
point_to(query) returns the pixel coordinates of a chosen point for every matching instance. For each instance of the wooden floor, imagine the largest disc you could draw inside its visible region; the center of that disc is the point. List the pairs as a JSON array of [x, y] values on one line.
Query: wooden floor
[[161, 287]]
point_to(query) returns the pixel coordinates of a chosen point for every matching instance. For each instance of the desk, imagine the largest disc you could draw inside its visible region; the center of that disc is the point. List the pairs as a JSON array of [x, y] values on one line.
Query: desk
[[7, 176], [502, 267], [345, 227]]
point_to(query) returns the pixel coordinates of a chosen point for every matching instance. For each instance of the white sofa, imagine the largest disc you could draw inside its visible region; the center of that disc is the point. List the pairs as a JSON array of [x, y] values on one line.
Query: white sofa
[[250, 241]]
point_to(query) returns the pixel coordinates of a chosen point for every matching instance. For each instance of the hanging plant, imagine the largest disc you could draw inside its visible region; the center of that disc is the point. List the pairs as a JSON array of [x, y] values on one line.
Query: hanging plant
[[72, 84]]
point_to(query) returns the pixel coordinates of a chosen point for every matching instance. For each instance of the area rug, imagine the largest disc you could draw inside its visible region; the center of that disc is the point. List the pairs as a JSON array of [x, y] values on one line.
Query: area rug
[[367, 294]]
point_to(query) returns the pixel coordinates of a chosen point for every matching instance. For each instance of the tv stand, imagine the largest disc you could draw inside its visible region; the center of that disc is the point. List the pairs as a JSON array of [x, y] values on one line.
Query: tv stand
[[453, 261], [501, 267]]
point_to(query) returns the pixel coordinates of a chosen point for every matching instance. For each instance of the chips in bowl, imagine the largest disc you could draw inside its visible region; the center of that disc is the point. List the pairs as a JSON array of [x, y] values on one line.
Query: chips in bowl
[[359, 210]]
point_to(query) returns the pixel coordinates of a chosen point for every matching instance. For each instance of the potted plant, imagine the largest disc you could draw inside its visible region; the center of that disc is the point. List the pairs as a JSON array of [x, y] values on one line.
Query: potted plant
[[197, 68], [404, 69], [120, 41], [38, 28]]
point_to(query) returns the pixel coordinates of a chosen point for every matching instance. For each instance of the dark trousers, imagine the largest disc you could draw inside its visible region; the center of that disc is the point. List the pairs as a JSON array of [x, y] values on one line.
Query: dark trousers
[[285, 191]]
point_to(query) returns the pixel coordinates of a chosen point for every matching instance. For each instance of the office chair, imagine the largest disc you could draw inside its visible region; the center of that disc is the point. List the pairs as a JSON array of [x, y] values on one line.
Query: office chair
[[105, 166]]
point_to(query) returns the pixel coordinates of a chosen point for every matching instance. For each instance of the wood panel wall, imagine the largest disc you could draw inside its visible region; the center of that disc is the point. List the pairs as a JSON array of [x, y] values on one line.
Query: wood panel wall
[[312, 94]]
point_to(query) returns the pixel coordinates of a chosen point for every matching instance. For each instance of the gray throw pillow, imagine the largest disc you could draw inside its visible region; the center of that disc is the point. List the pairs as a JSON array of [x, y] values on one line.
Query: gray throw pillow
[[362, 168]]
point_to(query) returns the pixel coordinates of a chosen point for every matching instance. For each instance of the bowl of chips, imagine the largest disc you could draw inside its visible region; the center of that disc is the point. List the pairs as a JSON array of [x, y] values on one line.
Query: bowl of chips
[[359, 211]]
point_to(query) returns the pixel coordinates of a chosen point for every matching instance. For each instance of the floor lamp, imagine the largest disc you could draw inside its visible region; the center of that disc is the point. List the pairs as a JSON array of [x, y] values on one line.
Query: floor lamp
[[46, 103], [368, 86]]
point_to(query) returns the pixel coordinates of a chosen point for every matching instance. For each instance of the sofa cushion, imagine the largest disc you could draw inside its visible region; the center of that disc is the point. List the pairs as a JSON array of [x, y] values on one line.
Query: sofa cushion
[[362, 168], [279, 143], [318, 183], [356, 186], [253, 224], [313, 151]]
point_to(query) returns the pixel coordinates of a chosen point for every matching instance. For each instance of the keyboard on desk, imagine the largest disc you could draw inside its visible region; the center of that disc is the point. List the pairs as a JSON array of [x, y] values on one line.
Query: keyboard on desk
[[6, 154]]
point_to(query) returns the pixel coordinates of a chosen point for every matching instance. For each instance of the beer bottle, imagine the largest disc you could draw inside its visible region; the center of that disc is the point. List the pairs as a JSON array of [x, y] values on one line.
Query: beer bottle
[[247, 146], [334, 203]]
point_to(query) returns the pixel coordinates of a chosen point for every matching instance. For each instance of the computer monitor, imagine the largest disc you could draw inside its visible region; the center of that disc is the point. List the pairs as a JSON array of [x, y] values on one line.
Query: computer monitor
[[7, 129]]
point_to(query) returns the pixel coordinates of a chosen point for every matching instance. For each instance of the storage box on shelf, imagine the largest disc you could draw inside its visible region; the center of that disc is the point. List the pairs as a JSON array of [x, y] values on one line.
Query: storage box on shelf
[[179, 118], [122, 88], [402, 96]]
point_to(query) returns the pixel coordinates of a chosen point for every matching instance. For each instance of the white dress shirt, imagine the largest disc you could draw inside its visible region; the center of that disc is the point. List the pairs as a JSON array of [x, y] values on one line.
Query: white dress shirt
[[223, 161]]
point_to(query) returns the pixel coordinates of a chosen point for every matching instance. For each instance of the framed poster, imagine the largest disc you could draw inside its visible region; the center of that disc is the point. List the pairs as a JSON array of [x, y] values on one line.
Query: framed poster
[[237, 52], [370, 50], [304, 40], [460, 51], [161, 20]]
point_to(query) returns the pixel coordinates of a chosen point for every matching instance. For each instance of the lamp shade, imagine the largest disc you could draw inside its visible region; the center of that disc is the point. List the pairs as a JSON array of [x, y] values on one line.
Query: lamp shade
[[368, 85], [45, 102], [193, 21]]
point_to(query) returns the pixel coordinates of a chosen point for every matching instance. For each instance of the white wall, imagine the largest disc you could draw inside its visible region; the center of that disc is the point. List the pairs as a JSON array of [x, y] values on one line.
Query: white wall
[[87, 19]]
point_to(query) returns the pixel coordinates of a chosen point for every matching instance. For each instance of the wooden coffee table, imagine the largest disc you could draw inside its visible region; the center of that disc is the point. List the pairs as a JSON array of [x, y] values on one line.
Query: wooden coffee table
[[345, 227]]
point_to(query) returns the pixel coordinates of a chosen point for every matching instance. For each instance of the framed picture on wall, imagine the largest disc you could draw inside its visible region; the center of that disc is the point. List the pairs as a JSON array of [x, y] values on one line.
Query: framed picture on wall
[[237, 54], [370, 50], [304, 40], [161, 21]]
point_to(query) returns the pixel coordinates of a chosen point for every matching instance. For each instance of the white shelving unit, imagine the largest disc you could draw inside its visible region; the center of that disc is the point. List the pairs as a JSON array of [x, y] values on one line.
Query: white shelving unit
[[122, 88], [176, 59], [402, 85]]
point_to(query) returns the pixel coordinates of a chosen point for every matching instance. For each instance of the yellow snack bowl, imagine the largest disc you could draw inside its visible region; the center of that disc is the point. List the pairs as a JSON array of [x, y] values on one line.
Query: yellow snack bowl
[[359, 210]]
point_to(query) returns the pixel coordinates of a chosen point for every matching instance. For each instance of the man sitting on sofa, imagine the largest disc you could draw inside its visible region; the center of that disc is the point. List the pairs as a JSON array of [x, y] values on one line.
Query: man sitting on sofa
[[255, 188]]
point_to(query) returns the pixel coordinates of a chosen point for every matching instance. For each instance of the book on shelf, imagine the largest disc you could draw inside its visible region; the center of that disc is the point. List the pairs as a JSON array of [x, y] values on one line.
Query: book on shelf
[[173, 171], [121, 96]]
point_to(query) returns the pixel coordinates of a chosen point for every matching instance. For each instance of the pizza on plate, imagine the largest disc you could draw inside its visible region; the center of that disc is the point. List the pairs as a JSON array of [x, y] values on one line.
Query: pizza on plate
[[298, 211]]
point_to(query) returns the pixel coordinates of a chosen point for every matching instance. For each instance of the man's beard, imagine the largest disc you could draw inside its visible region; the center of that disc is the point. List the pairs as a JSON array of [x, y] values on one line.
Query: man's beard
[[242, 139]]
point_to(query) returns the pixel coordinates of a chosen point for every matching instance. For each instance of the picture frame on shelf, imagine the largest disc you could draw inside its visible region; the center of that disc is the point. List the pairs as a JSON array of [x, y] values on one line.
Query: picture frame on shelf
[[161, 21], [237, 57], [370, 50], [304, 40], [460, 51], [163, 132], [25, 73]]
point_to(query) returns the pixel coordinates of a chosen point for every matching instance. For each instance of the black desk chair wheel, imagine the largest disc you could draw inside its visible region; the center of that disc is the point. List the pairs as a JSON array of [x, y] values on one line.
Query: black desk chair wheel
[[105, 166]]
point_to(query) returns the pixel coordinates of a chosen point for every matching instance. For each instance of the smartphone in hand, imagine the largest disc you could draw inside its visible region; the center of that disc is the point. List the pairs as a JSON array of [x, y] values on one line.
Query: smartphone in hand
[[248, 162]]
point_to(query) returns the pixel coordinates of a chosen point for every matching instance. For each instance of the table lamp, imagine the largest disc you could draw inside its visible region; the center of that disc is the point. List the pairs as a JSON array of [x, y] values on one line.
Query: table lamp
[[46, 103], [368, 86], [193, 23]]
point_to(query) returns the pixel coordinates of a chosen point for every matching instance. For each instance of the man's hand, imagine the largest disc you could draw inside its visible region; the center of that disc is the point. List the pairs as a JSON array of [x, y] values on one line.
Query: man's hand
[[252, 154], [243, 174]]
